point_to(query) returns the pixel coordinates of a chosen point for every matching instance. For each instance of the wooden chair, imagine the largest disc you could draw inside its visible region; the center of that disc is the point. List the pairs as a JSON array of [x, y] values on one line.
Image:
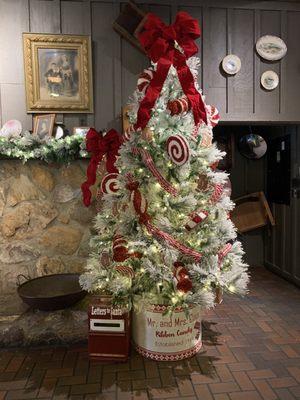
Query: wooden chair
[[251, 212]]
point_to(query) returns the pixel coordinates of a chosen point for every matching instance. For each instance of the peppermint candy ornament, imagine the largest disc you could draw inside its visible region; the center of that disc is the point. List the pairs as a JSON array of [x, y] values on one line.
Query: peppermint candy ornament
[[178, 106], [178, 149], [109, 184], [144, 80]]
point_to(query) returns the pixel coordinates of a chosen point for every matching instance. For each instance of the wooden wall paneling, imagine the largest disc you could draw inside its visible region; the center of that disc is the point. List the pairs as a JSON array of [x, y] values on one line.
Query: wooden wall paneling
[[269, 100], [13, 22], [76, 20], [214, 50], [292, 65], [14, 17], [240, 86], [283, 110], [295, 209], [106, 50], [256, 63], [133, 62], [45, 16], [14, 105]]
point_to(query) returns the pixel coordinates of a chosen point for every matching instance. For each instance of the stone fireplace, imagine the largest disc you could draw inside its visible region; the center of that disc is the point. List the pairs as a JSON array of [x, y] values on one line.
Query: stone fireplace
[[44, 229]]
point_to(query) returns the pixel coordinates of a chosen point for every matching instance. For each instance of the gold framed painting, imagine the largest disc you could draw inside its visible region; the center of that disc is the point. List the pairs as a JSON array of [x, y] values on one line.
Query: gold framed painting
[[58, 73]]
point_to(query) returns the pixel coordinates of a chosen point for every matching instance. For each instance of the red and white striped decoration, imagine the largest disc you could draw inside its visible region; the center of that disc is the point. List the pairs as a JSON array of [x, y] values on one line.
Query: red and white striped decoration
[[218, 191], [140, 206], [128, 133], [178, 149], [178, 106], [144, 80], [119, 246], [125, 270], [206, 139], [224, 251], [196, 218], [139, 202], [213, 116], [109, 184], [148, 161]]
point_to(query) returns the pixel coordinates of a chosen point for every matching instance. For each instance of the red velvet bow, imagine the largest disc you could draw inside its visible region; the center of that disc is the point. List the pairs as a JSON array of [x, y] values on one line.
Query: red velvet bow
[[166, 46], [99, 146]]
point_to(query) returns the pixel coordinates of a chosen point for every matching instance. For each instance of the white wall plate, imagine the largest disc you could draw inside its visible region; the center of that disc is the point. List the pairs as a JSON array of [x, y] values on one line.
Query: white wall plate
[[269, 80], [231, 64], [271, 48]]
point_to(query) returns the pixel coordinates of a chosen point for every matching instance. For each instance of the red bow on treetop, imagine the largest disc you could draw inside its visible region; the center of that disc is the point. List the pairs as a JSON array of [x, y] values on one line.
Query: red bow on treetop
[[166, 46], [100, 145]]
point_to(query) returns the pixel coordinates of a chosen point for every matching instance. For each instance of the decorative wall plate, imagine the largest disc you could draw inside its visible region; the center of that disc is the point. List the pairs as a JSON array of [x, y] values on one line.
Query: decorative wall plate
[[231, 64], [269, 80], [271, 48], [12, 127]]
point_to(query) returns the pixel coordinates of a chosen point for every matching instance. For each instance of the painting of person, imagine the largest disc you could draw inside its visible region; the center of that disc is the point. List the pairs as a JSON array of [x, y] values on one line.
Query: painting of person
[[43, 126], [59, 76], [67, 75], [54, 80]]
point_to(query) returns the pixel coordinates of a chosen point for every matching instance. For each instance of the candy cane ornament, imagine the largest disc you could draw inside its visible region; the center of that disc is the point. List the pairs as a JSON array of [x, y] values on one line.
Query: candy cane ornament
[[109, 184], [178, 149], [213, 115], [144, 79], [224, 251]]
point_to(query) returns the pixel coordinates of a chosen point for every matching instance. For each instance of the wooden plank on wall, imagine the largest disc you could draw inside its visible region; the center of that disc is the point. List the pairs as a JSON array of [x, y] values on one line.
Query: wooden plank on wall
[[269, 101], [76, 20], [13, 21], [240, 86], [45, 16], [292, 65], [106, 50], [214, 50], [13, 104]]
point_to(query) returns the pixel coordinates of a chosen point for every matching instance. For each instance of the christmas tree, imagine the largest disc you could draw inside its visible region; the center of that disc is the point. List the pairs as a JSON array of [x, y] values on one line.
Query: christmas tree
[[164, 234]]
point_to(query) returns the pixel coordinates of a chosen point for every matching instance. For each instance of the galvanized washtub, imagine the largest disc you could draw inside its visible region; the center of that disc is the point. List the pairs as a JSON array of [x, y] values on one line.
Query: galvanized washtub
[[50, 292]]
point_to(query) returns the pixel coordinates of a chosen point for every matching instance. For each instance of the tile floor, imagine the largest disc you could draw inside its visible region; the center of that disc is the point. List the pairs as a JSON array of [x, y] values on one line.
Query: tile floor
[[251, 351]]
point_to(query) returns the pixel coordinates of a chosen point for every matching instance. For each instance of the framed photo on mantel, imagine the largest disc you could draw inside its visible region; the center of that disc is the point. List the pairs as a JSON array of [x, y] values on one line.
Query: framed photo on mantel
[[58, 73]]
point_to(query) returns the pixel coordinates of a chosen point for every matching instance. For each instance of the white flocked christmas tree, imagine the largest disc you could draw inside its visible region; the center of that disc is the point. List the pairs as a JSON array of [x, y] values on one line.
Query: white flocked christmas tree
[[163, 232]]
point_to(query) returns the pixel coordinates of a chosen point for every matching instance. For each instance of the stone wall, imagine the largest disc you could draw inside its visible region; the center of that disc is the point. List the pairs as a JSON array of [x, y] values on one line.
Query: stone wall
[[44, 228]]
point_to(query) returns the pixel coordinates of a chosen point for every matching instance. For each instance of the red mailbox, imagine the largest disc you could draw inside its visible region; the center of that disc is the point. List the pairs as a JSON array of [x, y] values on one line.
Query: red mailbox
[[109, 330]]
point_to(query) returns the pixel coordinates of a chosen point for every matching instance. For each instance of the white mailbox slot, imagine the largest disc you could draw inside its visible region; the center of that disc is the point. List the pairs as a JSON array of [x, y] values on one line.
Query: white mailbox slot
[[107, 325]]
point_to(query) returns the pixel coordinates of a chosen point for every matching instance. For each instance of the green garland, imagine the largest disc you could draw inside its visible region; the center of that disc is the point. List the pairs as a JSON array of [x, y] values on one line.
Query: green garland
[[29, 147]]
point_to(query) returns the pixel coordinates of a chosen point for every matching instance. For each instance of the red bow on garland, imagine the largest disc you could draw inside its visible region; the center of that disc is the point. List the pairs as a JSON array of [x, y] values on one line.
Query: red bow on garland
[[100, 145], [166, 46]]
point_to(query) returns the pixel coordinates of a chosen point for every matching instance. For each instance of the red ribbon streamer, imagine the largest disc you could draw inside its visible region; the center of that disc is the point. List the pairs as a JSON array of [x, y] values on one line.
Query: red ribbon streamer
[[147, 159], [166, 46], [144, 218], [100, 145]]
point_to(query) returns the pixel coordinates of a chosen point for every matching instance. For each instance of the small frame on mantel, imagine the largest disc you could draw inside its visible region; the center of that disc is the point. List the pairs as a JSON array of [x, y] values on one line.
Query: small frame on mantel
[[130, 22]]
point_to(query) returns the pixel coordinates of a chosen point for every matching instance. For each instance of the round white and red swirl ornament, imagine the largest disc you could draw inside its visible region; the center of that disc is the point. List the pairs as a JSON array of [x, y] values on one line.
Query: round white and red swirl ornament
[[125, 270], [144, 79], [178, 106], [178, 149], [213, 115], [109, 184]]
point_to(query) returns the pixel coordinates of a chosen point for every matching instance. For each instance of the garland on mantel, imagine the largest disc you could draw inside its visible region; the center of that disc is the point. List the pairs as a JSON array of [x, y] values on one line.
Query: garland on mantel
[[28, 147]]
